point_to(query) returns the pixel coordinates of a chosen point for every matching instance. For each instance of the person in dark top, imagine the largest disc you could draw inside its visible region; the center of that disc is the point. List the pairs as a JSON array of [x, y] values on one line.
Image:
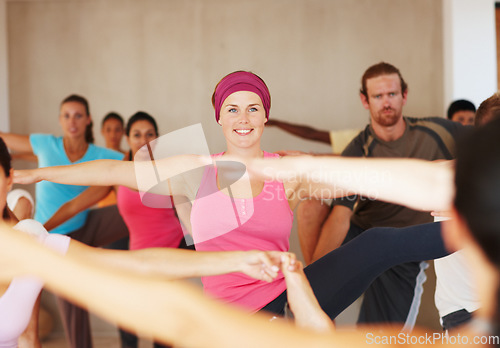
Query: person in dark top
[[395, 296]]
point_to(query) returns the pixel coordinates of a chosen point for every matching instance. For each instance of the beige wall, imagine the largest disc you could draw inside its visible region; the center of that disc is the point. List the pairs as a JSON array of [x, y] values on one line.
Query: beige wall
[[165, 57]]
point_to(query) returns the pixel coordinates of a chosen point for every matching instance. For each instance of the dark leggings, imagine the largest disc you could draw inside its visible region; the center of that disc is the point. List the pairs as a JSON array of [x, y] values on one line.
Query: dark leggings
[[342, 275]]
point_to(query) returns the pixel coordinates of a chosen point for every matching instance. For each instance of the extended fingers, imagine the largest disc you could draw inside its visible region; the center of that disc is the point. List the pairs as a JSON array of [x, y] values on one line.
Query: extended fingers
[[271, 262], [289, 262], [269, 266], [443, 215]]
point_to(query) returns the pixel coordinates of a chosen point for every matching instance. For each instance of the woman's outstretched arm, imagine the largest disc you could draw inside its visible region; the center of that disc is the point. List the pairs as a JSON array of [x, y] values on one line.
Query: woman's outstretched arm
[[301, 131], [164, 176], [17, 142], [418, 184], [91, 173], [173, 263]]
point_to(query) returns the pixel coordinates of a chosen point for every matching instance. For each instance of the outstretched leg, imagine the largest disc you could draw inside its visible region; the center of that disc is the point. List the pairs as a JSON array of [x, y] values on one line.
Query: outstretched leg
[[341, 276]]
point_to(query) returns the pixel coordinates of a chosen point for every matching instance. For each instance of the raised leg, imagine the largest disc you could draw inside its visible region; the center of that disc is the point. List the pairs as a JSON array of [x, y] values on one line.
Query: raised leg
[[341, 276]]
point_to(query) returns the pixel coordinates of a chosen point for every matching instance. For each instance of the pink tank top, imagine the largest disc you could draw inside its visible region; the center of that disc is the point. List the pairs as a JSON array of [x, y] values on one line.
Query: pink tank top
[[16, 304], [220, 223], [148, 227]]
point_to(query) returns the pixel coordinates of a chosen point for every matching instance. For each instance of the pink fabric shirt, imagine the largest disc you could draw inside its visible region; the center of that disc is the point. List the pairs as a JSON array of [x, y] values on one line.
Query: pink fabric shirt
[[16, 304], [222, 224], [148, 227]]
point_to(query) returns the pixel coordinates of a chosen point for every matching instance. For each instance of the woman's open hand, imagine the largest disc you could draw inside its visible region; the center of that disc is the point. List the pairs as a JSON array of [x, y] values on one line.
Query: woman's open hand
[[264, 265]]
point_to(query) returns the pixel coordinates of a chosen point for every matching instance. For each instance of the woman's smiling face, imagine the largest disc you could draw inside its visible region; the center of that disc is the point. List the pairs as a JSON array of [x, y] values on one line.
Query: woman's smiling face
[[242, 117]]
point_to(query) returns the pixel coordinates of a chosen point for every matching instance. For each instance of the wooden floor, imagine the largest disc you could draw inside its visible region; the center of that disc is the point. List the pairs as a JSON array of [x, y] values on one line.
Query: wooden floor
[[99, 342]]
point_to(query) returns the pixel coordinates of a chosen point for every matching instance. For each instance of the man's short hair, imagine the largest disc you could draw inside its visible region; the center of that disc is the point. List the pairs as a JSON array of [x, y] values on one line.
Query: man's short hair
[[460, 105], [380, 69], [488, 110]]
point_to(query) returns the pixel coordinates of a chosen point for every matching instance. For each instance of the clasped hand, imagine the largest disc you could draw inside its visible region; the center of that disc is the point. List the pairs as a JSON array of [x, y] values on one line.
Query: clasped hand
[[265, 265]]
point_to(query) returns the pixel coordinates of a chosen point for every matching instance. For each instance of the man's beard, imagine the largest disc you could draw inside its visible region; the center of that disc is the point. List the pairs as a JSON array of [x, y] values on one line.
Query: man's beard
[[388, 120]]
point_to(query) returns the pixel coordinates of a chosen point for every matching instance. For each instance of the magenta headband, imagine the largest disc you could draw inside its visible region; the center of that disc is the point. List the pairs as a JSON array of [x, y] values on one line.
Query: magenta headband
[[241, 81]]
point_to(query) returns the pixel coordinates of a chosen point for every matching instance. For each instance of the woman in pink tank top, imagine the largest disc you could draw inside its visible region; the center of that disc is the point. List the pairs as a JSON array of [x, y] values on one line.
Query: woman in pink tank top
[[247, 214], [154, 225]]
